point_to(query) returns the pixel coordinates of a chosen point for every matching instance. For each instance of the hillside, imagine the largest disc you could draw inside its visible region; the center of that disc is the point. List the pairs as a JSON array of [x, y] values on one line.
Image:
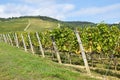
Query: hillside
[[39, 23], [19, 24], [73, 24], [36, 23], [15, 64]]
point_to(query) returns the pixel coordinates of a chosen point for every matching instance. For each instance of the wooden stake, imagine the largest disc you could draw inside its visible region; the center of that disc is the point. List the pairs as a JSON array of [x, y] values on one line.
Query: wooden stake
[[31, 46], [55, 48], [25, 48], [10, 39], [40, 45], [16, 40], [1, 39], [83, 53], [4, 37], [69, 57]]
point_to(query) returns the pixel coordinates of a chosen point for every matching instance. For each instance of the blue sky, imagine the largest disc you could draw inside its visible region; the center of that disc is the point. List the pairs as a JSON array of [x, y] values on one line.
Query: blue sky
[[67, 10]]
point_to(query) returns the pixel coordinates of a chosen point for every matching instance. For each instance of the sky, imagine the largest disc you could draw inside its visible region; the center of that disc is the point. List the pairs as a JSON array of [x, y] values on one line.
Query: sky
[[66, 10]]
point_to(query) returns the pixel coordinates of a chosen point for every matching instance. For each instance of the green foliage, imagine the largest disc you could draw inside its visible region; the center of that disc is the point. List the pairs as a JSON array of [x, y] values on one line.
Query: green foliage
[[109, 38], [65, 39], [46, 40], [101, 39]]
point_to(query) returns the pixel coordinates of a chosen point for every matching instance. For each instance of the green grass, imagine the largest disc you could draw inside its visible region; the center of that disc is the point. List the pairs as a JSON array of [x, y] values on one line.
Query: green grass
[[13, 25], [41, 25], [21, 23], [15, 64]]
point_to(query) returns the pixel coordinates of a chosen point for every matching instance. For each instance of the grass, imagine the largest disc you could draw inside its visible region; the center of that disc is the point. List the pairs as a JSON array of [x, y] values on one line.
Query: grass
[[41, 25], [21, 23], [13, 25], [15, 64]]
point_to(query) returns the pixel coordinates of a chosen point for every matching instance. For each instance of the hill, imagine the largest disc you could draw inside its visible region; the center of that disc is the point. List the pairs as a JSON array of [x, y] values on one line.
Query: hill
[[73, 24], [36, 23], [39, 23], [15, 64], [19, 24]]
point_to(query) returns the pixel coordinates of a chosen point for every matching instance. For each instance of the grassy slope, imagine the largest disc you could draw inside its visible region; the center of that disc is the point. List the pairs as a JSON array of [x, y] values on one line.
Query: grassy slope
[[15, 64], [41, 25], [20, 24], [13, 25]]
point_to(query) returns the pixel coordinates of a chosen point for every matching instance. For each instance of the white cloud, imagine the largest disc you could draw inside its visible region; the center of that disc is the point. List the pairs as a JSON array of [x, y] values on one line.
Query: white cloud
[[38, 1], [108, 13], [57, 10], [97, 10], [45, 8], [1, 9], [10, 10]]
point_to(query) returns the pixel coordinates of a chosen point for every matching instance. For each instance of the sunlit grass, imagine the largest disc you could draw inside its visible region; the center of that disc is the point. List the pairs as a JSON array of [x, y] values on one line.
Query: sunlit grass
[[13, 25], [15, 64], [21, 23]]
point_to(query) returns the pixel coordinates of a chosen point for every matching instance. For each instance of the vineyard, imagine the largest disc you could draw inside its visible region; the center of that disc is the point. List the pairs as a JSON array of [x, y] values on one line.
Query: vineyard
[[101, 45]]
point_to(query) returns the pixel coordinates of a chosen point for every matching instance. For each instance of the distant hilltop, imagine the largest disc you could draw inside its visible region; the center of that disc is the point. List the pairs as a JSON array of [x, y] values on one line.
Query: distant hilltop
[[40, 23]]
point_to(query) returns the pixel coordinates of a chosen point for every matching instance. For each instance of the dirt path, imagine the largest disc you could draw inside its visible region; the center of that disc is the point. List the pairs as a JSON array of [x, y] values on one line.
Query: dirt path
[[96, 75], [28, 25]]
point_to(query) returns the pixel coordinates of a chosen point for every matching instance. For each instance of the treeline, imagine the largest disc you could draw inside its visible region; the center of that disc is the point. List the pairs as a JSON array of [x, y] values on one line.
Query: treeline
[[38, 17], [73, 24]]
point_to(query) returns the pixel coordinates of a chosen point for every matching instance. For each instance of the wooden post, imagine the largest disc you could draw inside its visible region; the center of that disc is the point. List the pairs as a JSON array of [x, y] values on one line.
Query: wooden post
[[0, 37], [69, 57], [16, 40], [31, 46], [25, 48], [10, 40], [83, 53], [4, 37], [40, 45], [55, 48]]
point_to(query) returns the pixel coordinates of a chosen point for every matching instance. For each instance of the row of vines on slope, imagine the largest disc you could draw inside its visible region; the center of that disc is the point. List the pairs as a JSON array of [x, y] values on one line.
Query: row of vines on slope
[[102, 40]]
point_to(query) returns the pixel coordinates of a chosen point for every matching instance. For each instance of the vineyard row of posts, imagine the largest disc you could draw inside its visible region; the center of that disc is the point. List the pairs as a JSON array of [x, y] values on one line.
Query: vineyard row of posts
[[101, 40]]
